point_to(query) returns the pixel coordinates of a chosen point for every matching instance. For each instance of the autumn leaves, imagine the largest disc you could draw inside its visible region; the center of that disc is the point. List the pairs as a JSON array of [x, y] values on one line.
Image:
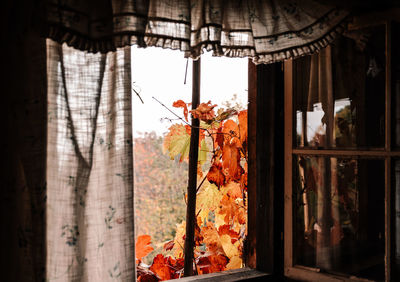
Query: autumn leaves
[[221, 204]]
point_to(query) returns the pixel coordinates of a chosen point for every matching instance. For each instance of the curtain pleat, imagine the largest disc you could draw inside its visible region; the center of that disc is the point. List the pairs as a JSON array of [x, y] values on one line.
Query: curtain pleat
[[90, 232], [267, 31]]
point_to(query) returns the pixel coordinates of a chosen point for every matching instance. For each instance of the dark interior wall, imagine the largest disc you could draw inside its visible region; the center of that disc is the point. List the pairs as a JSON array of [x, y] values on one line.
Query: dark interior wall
[[23, 141]]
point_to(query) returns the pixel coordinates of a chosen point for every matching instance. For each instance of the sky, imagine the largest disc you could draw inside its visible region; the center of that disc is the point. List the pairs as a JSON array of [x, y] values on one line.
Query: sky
[[160, 73]]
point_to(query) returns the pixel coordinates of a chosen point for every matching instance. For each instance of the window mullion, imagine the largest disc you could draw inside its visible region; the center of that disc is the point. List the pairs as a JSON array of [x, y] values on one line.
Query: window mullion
[[388, 146], [192, 179]]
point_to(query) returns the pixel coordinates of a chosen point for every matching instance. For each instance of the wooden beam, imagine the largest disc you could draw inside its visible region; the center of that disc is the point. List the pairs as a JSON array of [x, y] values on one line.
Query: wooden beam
[[192, 182], [288, 214]]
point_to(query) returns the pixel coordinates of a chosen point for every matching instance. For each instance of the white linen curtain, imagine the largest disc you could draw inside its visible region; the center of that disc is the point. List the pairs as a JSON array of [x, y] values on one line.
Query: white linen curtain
[[90, 231]]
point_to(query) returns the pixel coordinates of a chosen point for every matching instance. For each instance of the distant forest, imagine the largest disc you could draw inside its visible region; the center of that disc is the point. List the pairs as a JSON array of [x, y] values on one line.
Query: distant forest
[[160, 186]]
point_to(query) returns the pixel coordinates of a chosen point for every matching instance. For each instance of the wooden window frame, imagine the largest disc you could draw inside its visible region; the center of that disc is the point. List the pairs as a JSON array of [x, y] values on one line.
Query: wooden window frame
[[386, 153]]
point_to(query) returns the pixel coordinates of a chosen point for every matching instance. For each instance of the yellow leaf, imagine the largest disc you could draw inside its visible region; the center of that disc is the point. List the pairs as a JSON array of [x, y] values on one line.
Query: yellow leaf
[[219, 219], [177, 142], [179, 242], [203, 152], [230, 249], [234, 263], [208, 199]]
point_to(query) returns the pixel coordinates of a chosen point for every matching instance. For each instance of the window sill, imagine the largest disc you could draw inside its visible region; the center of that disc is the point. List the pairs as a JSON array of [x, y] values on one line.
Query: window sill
[[301, 273], [231, 275]]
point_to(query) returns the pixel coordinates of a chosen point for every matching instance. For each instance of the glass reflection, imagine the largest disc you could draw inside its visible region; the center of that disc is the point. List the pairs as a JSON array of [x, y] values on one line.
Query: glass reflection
[[339, 213], [340, 93]]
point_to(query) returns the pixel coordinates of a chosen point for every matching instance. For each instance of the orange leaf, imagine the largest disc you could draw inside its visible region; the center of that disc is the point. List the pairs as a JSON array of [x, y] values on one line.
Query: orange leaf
[[142, 246], [211, 238], [234, 190], [242, 116], [218, 263], [226, 230], [204, 112], [208, 263], [215, 175], [230, 130], [181, 104], [220, 138], [232, 210], [231, 162], [160, 267]]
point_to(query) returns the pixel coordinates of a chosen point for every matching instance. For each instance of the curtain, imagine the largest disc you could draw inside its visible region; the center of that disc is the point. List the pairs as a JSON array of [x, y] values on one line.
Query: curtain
[[23, 143], [90, 231], [267, 31]]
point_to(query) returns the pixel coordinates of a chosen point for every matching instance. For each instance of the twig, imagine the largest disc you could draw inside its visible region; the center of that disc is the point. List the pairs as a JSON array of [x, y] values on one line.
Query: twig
[[201, 183], [137, 93]]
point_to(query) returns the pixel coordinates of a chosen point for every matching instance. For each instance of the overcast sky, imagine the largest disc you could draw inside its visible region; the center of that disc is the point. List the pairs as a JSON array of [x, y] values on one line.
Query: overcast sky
[[160, 73]]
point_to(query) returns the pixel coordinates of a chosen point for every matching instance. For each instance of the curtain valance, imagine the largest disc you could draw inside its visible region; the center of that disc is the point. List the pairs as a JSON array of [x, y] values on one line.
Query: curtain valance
[[267, 31]]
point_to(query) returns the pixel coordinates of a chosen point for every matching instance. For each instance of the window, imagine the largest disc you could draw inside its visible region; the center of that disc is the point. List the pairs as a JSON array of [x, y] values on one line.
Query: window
[[216, 82], [341, 156]]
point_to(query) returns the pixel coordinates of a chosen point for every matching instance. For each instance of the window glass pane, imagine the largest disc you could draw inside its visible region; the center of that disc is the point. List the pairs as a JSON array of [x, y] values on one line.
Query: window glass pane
[[340, 93], [396, 81], [159, 182], [339, 215]]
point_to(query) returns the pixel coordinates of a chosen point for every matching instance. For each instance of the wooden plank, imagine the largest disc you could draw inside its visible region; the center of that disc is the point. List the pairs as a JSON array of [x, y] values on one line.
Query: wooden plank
[[242, 274], [192, 182], [288, 115], [301, 273], [347, 153]]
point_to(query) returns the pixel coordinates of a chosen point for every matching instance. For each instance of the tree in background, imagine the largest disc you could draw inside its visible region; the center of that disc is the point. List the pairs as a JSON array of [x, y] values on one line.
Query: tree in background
[[160, 185]]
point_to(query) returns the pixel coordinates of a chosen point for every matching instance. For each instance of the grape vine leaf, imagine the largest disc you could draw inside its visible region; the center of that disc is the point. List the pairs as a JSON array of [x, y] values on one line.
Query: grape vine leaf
[[160, 267], [242, 116], [177, 142], [204, 112], [181, 104], [230, 249], [207, 200], [142, 247], [231, 162], [215, 174], [234, 263]]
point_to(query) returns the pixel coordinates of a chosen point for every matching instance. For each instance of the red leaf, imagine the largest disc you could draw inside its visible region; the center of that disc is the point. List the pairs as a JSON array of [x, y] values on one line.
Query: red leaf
[[169, 245], [181, 104], [142, 247], [215, 175], [146, 275]]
